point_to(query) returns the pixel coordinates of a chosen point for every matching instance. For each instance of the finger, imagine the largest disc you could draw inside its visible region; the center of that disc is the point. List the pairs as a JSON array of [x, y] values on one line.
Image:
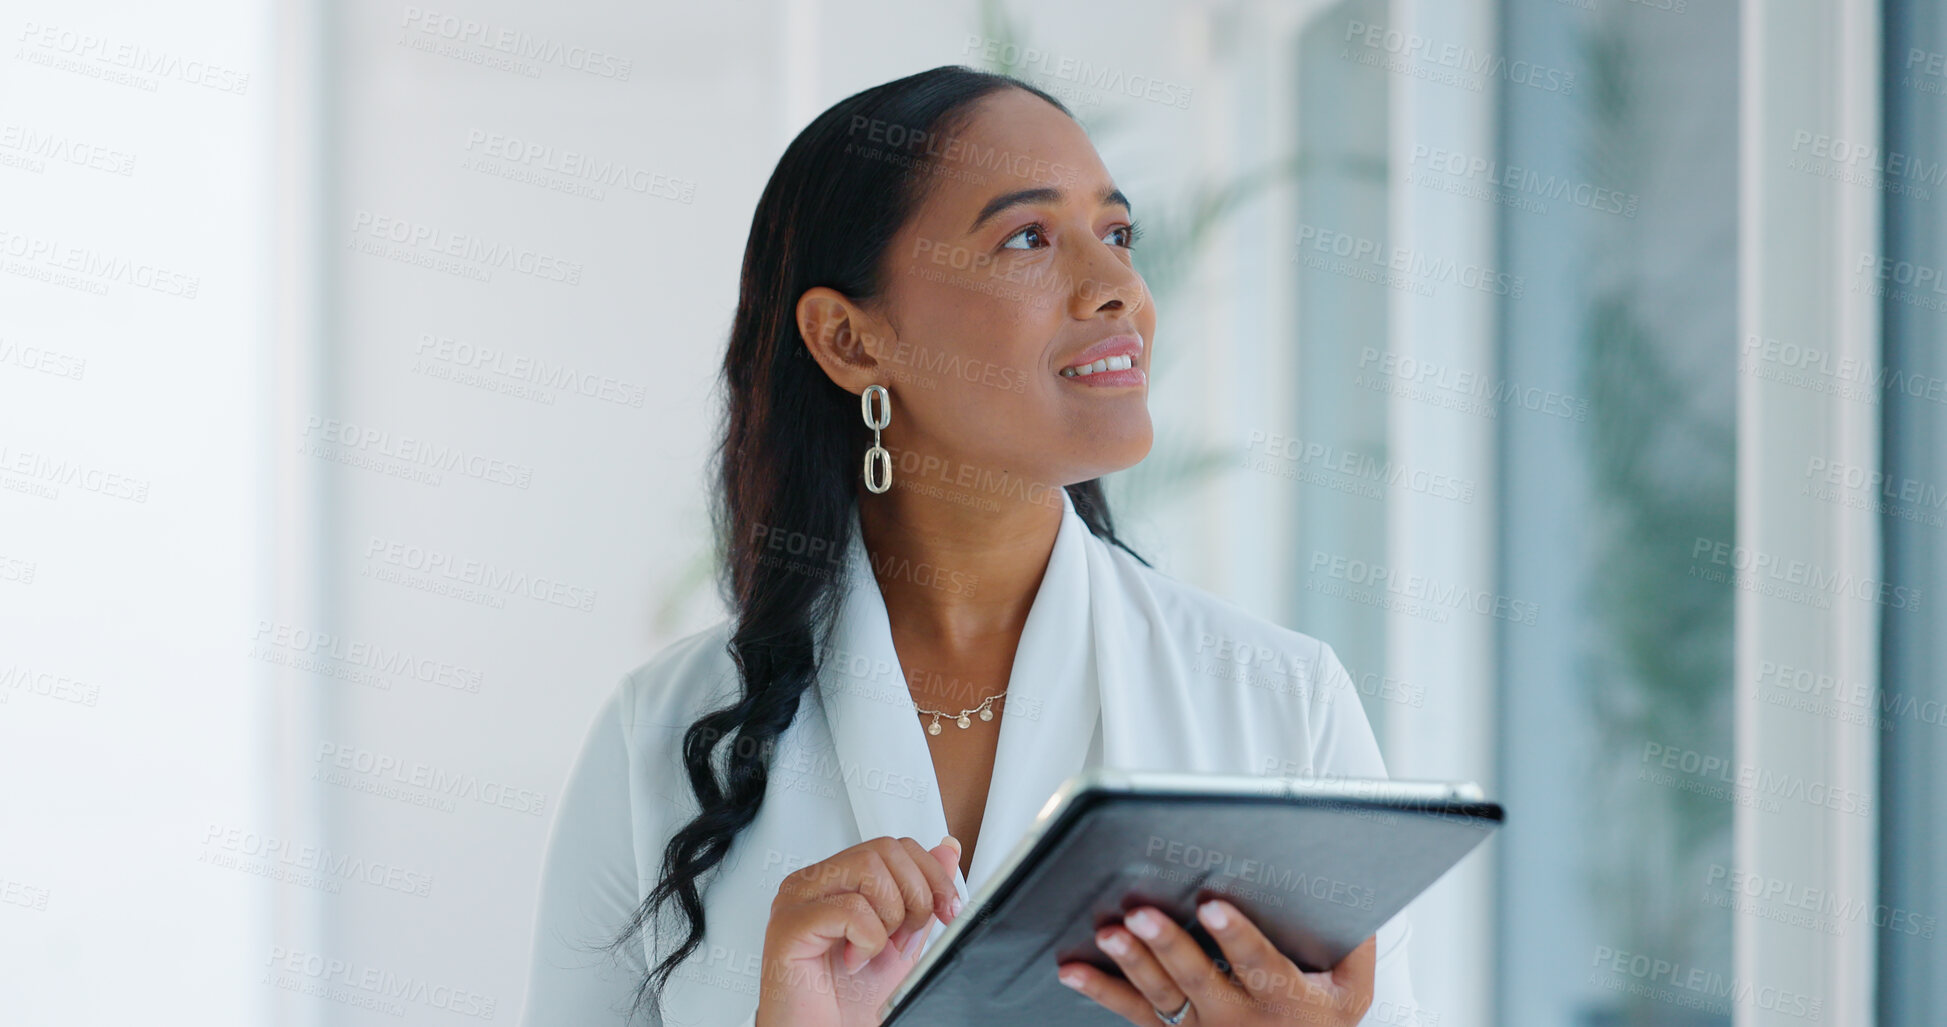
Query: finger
[[1353, 977], [1358, 965], [899, 887], [1181, 957], [918, 891], [1141, 968], [896, 887], [857, 875], [845, 919], [1260, 968], [937, 865], [948, 853], [1341, 993], [841, 872], [865, 932], [1117, 996]]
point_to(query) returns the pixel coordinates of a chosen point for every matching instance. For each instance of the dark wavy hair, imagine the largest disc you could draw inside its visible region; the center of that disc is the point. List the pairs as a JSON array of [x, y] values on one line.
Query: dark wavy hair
[[792, 444]]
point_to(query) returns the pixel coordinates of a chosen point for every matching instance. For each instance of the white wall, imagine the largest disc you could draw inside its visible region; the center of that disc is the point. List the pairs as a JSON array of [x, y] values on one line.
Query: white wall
[[135, 200]]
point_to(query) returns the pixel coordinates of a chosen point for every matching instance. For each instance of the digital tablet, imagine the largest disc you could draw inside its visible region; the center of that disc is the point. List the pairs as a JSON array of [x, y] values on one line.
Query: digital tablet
[[1318, 865]]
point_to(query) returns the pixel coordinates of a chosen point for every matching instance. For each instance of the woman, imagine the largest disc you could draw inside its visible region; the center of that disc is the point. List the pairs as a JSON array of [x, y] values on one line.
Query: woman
[[941, 344]]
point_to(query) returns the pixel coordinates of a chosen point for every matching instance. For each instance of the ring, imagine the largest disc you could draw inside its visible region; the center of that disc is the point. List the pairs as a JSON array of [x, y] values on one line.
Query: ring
[[1176, 1017]]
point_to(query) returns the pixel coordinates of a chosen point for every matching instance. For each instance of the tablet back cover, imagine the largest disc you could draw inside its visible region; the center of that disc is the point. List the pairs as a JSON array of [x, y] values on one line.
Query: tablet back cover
[[1317, 877]]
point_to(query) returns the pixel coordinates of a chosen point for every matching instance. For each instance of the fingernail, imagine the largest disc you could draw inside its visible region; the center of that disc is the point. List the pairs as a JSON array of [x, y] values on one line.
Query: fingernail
[[1071, 978], [1213, 916], [852, 958], [1112, 943], [913, 944], [953, 908], [1143, 922], [955, 842]]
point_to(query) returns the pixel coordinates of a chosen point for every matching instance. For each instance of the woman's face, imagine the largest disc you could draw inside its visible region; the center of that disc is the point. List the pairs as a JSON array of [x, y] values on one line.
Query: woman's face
[[1012, 277]]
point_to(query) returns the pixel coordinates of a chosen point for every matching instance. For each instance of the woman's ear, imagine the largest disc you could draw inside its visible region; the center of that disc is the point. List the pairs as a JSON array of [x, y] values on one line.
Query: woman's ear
[[845, 340]]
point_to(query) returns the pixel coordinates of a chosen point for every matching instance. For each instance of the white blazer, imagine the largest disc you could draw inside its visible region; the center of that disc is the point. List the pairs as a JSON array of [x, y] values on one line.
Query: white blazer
[[1118, 665]]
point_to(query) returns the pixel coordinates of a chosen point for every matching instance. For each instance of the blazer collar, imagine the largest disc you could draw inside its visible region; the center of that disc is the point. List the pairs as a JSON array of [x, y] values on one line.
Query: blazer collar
[[1047, 721]]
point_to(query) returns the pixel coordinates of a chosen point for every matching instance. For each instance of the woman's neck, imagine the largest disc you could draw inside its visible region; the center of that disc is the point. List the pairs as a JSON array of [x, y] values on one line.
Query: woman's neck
[[957, 575]]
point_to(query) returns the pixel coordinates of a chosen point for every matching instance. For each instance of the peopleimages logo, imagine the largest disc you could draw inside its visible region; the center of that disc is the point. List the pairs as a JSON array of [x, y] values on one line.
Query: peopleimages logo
[[1889, 163], [225, 846], [1405, 262], [378, 772], [47, 684], [1754, 780], [1695, 986], [1853, 476], [1835, 371], [401, 556], [15, 569], [1464, 60], [31, 149], [370, 987], [397, 661], [1358, 466], [1400, 374], [441, 249], [1247, 653], [1821, 902], [1422, 588], [43, 473], [93, 270], [517, 43], [500, 370], [1526, 181], [417, 452], [1795, 580], [1028, 61], [962, 154], [829, 766], [130, 57], [1902, 272], [1857, 702], [576, 165], [1255, 871]]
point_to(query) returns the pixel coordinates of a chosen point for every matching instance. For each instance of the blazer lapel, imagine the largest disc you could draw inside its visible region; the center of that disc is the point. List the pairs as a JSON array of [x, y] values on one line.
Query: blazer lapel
[[1149, 720], [1052, 703], [1046, 724], [878, 744]]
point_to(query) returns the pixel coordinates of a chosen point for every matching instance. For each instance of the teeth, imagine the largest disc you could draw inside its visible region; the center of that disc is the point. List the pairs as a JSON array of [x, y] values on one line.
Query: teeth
[[1123, 363]]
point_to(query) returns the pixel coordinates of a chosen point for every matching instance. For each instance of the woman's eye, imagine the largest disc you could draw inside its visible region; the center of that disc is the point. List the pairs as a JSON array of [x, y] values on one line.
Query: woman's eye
[[1032, 237], [1035, 230]]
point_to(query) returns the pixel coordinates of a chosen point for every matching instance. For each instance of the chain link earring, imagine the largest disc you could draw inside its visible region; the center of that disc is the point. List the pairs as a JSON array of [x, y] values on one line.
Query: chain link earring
[[877, 454]]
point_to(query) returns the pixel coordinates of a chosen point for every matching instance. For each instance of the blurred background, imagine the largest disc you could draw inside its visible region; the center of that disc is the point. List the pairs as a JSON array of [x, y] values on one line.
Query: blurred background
[[1574, 368]]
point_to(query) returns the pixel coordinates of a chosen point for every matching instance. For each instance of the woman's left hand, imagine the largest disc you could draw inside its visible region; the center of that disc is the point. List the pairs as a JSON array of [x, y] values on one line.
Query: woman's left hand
[[1165, 965]]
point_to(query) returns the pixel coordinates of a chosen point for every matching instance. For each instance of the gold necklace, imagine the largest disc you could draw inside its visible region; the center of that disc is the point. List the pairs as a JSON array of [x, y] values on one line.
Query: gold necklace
[[963, 720]]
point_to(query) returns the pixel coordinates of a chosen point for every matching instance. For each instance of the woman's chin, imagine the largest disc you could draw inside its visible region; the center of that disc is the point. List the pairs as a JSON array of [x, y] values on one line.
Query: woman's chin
[[1115, 454]]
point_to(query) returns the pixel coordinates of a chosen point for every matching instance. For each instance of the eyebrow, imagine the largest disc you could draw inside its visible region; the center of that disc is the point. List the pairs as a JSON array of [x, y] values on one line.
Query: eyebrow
[[1020, 197]]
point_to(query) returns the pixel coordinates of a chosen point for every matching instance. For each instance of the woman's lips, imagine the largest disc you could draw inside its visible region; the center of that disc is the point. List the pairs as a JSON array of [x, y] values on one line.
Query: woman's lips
[[1109, 363], [1109, 379]]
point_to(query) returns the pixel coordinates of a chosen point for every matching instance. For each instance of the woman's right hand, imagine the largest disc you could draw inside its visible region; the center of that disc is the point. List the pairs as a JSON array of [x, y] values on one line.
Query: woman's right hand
[[846, 930]]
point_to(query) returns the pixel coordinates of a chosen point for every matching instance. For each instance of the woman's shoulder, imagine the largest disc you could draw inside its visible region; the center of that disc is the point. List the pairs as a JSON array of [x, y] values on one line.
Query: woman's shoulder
[[1211, 628], [1295, 699], [679, 683]]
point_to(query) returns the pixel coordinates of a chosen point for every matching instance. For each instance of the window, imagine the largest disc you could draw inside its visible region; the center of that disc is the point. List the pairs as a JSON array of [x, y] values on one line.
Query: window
[[1619, 210]]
